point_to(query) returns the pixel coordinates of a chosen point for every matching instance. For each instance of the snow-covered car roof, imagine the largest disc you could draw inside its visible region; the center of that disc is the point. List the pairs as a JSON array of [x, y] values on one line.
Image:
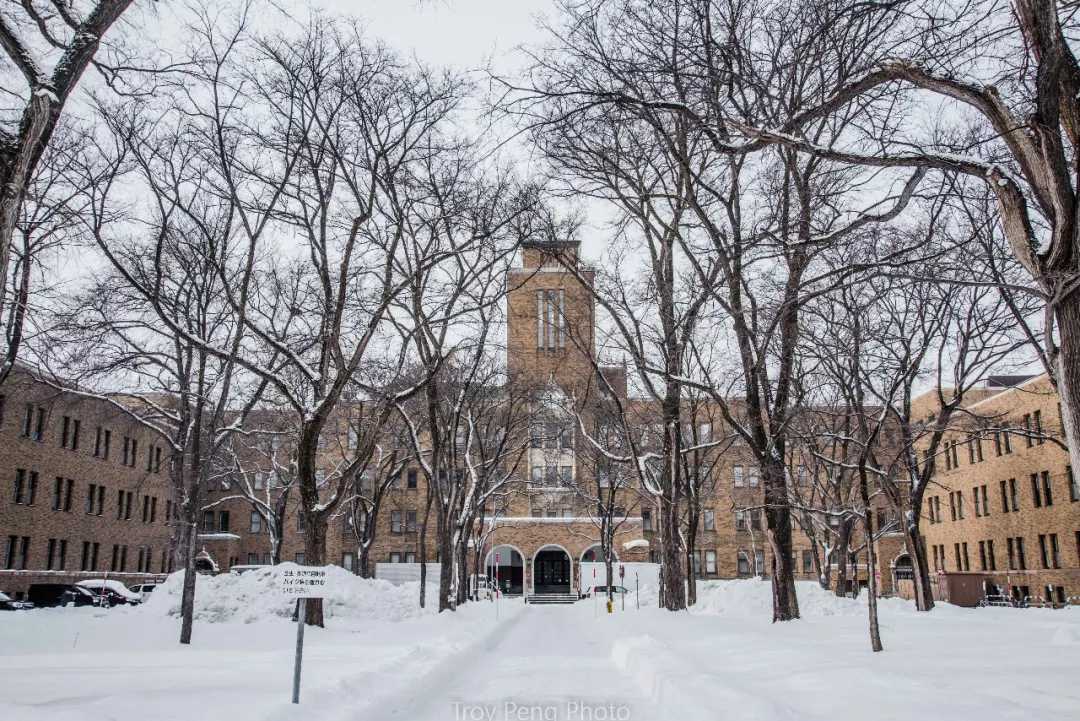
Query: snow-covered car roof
[[4, 596], [114, 586]]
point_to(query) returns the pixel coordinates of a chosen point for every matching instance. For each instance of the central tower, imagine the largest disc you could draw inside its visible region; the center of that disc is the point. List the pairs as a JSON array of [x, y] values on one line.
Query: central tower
[[550, 317]]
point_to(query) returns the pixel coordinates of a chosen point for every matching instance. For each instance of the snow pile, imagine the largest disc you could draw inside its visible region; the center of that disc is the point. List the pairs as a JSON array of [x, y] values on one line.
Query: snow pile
[[254, 596], [752, 598]]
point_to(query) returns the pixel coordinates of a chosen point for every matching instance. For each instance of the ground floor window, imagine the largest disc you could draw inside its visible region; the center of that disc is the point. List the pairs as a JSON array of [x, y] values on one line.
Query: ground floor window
[[743, 567], [710, 562], [348, 562]]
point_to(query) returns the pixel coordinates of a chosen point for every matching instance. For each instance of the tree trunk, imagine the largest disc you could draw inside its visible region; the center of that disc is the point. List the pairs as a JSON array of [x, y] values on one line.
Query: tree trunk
[[314, 555], [423, 548], [674, 585], [1067, 316], [841, 553], [187, 596], [920, 566], [871, 584], [363, 560], [778, 516], [446, 568]]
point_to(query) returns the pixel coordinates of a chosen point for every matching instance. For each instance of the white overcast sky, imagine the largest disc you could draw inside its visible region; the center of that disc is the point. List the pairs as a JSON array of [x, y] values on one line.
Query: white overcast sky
[[460, 33]]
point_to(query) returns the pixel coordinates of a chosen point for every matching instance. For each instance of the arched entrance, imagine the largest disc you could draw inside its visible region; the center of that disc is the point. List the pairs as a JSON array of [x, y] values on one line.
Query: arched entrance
[[510, 570], [551, 570]]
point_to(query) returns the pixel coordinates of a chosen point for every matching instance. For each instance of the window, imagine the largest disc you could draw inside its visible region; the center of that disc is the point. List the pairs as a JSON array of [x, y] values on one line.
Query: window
[[300, 558], [1006, 437], [157, 459], [1036, 495], [223, 522], [710, 520], [985, 500], [740, 520], [752, 474], [301, 520], [737, 476], [1027, 430], [1047, 489], [207, 525], [646, 520], [1074, 487], [997, 443], [25, 487], [743, 564], [759, 562], [982, 556], [710, 563], [807, 561], [956, 556], [348, 562], [256, 522], [395, 522], [550, 319], [964, 556], [34, 422], [395, 557], [990, 554], [1014, 494], [69, 432], [410, 478], [1037, 416], [971, 450], [18, 552], [410, 521], [978, 505], [145, 509]]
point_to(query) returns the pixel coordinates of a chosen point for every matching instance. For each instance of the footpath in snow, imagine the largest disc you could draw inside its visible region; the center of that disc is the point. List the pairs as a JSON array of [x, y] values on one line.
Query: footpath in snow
[[380, 657]]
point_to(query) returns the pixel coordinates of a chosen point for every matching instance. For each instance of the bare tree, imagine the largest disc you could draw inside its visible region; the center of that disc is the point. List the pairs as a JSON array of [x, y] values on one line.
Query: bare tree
[[68, 35], [1023, 148]]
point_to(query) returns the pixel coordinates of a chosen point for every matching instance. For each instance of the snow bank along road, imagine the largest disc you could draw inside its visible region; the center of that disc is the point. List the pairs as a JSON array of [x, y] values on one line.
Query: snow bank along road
[[722, 661]]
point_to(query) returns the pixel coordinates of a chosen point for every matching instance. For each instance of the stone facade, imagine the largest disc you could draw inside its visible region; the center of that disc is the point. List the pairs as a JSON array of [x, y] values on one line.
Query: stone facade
[[85, 490]]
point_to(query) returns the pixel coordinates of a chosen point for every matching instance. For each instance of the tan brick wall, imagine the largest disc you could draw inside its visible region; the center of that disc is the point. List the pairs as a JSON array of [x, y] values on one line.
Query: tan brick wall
[[1060, 518], [50, 459]]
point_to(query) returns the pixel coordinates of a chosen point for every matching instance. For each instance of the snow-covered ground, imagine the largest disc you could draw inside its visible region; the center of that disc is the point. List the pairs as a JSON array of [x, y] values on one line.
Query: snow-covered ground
[[379, 658]]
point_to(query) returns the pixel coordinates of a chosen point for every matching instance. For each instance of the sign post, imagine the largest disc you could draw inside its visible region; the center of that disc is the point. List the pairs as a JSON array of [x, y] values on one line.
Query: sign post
[[497, 587], [596, 611], [301, 583], [637, 590]]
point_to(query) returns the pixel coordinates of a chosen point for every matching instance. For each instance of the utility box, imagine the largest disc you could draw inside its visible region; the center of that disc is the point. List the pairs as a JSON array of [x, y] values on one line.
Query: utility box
[[960, 589]]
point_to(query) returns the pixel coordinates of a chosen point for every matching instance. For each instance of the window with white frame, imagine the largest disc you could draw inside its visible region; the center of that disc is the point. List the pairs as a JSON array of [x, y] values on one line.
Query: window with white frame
[[256, 522], [737, 476], [709, 517], [710, 562]]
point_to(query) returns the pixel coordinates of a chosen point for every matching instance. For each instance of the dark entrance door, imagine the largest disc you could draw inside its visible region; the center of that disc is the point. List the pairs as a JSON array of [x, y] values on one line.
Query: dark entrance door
[[552, 572]]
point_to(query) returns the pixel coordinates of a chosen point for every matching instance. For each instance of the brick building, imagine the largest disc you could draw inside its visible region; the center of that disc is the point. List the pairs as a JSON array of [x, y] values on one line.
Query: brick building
[[547, 527], [1005, 509], [85, 491]]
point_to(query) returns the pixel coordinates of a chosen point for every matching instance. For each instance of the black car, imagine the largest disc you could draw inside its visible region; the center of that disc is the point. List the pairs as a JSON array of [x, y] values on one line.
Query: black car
[[61, 594], [7, 603]]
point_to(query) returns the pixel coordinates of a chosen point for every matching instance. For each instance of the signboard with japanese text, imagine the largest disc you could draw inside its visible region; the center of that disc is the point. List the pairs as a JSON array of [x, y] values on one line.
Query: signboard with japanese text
[[303, 582]]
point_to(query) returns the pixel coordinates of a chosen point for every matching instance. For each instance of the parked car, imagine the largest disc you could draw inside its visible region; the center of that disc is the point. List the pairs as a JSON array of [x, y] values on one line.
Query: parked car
[[144, 589], [603, 590], [7, 603], [114, 592], [79, 596], [44, 595]]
